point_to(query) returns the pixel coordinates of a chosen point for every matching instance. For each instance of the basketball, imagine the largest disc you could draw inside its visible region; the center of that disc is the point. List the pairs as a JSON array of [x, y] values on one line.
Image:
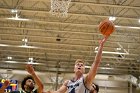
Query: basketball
[[106, 27]]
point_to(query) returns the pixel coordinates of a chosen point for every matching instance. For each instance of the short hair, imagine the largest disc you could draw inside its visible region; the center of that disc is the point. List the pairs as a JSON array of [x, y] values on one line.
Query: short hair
[[96, 87], [24, 81], [79, 61]]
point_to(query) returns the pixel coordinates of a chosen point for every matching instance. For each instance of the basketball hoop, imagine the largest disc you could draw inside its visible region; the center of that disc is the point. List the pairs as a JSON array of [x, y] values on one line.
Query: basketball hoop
[[59, 8]]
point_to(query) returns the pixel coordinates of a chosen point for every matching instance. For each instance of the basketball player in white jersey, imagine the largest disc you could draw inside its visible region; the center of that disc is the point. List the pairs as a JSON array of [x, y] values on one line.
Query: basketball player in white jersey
[[80, 83]]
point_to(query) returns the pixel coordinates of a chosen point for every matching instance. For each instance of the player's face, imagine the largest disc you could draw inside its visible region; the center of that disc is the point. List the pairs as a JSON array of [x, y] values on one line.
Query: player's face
[[79, 67], [30, 84]]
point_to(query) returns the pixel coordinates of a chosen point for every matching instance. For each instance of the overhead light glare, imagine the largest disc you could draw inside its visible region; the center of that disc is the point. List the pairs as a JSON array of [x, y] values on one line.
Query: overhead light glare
[[32, 63], [112, 18], [87, 66], [118, 48], [25, 46], [3, 45], [14, 10], [31, 59], [107, 52], [25, 40], [19, 19], [9, 57], [11, 62], [127, 27], [108, 68]]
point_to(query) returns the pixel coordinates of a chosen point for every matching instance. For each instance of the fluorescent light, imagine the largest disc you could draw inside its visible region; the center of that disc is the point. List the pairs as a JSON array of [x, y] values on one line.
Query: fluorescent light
[[117, 26], [107, 52], [87, 66], [19, 19], [20, 62], [127, 27], [25, 46], [11, 61], [134, 27], [32, 63], [3, 45], [108, 68], [100, 67]]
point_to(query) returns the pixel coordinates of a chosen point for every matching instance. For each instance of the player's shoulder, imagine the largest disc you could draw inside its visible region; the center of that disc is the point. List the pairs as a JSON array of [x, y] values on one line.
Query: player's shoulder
[[66, 82]]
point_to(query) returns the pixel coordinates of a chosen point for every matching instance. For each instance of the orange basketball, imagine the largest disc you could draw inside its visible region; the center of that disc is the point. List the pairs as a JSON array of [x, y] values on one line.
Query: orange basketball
[[106, 27]]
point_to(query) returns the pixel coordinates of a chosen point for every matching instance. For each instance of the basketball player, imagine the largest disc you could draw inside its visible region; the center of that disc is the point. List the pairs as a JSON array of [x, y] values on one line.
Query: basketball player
[[4, 86], [80, 83], [28, 83], [30, 70]]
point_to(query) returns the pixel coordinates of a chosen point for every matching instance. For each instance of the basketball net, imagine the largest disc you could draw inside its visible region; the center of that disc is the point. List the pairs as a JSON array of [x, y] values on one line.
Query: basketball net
[[59, 8]]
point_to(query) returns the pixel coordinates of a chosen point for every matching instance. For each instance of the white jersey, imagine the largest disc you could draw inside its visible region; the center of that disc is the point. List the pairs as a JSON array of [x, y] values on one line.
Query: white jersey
[[77, 86]]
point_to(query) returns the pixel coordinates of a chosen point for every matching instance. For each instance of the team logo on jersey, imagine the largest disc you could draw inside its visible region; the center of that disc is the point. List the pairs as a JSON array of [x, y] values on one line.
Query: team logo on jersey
[[72, 87]]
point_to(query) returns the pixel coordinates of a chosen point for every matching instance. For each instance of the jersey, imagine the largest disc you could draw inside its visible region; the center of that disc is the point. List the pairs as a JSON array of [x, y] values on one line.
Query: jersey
[[77, 86], [23, 91]]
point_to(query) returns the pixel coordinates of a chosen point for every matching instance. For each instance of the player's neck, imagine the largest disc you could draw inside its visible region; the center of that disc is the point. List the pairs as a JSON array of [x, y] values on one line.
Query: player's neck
[[77, 76], [28, 90]]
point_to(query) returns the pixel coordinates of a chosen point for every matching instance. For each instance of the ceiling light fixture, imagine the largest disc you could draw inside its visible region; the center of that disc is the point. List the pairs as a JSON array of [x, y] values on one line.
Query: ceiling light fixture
[[25, 40], [9, 57], [14, 10], [118, 49], [3, 45], [11, 62], [31, 58], [108, 68], [26, 46], [33, 63], [16, 16], [127, 27], [21, 62], [112, 18]]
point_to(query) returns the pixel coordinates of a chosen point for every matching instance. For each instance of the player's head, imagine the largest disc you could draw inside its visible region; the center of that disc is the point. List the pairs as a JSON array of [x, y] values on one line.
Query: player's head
[[95, 88], [79, 66], [28, 83]]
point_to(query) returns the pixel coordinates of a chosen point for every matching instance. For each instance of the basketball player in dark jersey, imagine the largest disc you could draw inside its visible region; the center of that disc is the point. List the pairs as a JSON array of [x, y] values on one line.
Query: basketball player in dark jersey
[[28, 83]]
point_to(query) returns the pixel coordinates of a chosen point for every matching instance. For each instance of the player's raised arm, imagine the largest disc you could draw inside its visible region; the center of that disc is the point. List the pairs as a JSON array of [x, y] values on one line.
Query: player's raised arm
[[94, 67], [30, 70]]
